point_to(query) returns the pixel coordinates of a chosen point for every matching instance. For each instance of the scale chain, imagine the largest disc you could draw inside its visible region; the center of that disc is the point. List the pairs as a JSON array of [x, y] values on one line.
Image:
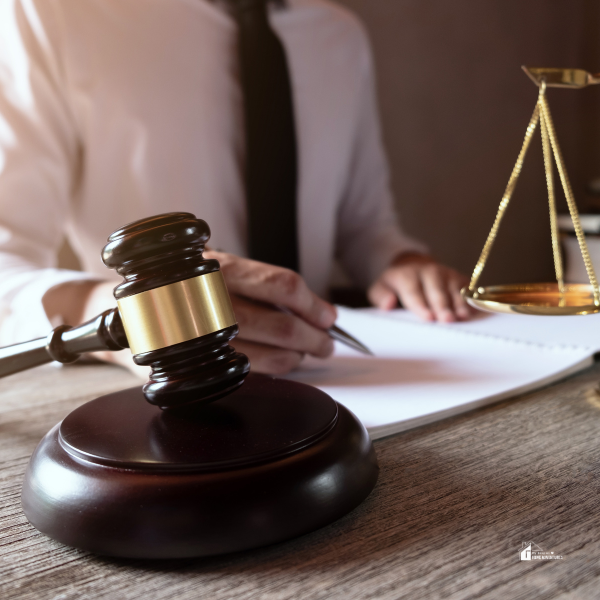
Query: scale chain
[[510, 188], [549, 142], [547, 118], [558, 265]]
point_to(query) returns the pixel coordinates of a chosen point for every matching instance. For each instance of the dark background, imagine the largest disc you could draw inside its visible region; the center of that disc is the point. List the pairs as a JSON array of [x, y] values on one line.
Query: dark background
[[455, 105]]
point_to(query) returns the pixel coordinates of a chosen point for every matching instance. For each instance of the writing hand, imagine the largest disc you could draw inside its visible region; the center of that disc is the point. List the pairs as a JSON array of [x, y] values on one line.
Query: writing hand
[[275, 341]]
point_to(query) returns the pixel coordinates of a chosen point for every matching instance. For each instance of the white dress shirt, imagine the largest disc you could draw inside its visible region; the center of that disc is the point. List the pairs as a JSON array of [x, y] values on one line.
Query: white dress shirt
[[114, 110]]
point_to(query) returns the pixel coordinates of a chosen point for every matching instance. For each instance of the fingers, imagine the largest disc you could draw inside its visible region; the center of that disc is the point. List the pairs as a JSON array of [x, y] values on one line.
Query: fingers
[[264, 325], [267, 359], [430, 290], [406, 284], [275, 341], [382, 296], [435, 285], [462, 310], [274, 285]]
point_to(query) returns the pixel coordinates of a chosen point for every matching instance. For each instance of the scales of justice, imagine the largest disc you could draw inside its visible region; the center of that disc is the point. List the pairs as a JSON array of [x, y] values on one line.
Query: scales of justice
[[542, 298], [207, 458]]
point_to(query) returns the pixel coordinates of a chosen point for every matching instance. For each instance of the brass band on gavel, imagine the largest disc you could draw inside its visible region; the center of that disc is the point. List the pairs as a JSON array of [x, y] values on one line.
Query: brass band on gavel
[[176, 313]]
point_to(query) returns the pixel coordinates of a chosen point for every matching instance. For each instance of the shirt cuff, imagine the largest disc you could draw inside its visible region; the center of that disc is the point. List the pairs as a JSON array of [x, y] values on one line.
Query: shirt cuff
[[366, 261], [388, 248], [22, 315]]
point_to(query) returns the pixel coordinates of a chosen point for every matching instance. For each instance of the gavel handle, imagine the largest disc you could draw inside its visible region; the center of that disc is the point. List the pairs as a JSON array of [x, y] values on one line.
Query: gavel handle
[[65, 344]]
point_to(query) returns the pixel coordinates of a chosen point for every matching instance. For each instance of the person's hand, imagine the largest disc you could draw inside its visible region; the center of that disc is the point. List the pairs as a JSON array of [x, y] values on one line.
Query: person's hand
[[275, 341], [423, 286]]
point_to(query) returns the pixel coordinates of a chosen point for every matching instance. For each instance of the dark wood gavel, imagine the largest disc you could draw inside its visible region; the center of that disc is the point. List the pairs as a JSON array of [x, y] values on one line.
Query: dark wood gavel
[[271, 460], [174, 313]]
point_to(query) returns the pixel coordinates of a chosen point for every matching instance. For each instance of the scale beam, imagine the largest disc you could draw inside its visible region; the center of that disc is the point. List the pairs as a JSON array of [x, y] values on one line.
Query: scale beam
[[563, 78]]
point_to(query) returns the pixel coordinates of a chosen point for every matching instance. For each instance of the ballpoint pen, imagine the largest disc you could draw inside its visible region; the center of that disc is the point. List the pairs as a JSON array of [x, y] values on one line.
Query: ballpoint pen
[[337, 333]]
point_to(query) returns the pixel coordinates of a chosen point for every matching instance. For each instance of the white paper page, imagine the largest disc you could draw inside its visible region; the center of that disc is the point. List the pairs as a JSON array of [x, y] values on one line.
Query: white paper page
[[578, 330], [424, 372]]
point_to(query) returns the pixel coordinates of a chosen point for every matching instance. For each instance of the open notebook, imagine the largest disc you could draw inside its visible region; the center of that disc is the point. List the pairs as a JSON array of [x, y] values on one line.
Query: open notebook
[[424, 372]]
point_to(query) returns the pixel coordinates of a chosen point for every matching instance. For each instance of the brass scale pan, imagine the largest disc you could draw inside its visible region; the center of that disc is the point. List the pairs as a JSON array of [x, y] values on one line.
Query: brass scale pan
[[541, 298], [534, 299]]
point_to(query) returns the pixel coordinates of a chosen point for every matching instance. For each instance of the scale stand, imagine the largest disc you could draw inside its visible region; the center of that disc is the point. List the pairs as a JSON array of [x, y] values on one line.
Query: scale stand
[[541, 298]]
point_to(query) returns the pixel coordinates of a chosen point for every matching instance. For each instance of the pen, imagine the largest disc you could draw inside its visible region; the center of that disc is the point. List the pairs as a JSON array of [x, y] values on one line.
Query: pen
[[337, 333]]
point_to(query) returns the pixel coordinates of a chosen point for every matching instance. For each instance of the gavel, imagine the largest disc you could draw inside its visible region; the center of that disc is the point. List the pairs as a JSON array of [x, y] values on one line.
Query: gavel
[[272, 459], [174, 313]]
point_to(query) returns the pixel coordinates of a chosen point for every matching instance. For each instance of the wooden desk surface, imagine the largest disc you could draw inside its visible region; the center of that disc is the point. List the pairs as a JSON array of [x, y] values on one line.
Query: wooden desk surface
[[454, 502]]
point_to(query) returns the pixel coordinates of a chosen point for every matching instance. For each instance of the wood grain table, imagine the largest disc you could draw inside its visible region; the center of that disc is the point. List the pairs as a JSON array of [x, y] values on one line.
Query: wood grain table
[[454, 502]]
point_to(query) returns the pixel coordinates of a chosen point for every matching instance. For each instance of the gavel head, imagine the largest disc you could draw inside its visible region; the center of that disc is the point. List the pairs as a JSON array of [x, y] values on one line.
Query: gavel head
[[176, 310]]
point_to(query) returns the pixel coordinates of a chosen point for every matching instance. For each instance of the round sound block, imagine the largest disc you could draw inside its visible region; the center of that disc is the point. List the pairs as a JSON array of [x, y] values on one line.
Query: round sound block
[[271, 461]]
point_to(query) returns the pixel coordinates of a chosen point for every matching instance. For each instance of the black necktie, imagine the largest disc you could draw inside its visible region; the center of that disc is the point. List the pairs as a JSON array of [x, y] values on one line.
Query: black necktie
[[271, 160]]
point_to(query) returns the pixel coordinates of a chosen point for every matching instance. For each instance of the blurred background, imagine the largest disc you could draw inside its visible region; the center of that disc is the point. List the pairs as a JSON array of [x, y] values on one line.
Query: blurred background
[[455, 105]]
